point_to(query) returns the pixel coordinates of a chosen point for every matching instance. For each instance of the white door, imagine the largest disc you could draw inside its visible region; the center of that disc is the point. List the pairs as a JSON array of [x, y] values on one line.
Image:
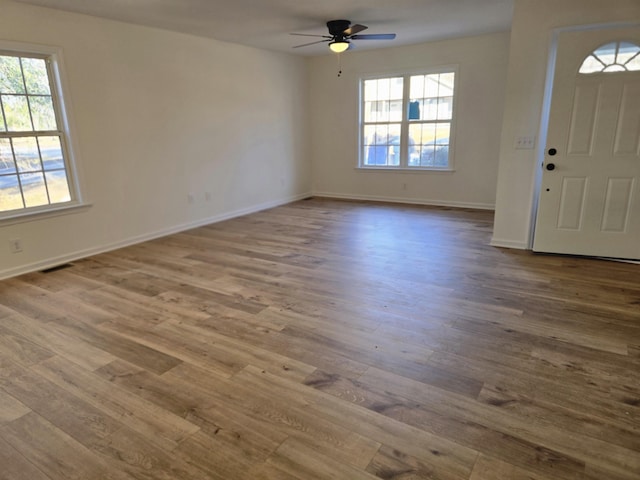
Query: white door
[[589, 202]]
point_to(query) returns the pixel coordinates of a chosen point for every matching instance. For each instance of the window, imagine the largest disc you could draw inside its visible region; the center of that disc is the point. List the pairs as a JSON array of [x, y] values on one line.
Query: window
[[406, 121], [35, 173], [613, 57]]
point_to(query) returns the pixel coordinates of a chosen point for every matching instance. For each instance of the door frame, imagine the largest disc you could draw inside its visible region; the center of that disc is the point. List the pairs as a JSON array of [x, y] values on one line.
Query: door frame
[[546, 109]]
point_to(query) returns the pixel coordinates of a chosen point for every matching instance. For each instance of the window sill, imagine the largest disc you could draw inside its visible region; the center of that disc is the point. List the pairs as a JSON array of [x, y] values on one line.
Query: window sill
[[39, 214], [405, 169]]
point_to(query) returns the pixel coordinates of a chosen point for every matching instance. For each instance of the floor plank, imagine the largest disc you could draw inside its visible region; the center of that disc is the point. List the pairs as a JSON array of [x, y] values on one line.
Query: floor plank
[[15, 466], [54, 452]]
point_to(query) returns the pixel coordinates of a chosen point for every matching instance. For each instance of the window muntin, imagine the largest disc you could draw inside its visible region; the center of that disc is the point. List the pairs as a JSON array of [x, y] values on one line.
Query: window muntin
[[407, 121], [34, 166], [612, 57]]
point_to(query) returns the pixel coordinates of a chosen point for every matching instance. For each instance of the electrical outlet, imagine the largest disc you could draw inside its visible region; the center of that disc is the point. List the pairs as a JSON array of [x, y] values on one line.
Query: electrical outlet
[[207, 196], [404, 186], [191, 199], [525, 143], [15, 245]]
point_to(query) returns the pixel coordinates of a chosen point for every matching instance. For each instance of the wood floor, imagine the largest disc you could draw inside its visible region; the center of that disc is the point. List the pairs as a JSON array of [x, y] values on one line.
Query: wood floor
[[323, 340]]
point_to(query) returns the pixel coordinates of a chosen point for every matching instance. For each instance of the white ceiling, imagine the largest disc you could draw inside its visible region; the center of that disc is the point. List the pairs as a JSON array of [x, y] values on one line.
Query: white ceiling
[[267, 23]]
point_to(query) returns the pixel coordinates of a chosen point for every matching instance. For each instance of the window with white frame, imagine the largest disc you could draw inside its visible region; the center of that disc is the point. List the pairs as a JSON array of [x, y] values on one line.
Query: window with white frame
[[35, 168], [406, 121], [613, 57]]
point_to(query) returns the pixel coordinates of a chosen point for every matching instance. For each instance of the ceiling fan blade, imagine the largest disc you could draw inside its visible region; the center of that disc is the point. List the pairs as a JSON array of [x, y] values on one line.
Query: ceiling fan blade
[[353, 29], [374, 36], [309, 35], [312, 43]]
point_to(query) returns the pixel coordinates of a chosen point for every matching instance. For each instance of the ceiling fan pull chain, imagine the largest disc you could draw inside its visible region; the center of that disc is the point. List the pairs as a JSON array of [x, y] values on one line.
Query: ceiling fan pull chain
[[339, 65]]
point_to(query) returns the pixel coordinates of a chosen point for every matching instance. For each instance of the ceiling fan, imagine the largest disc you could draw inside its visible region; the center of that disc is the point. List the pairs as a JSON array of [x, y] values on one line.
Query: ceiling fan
[[341, 32]]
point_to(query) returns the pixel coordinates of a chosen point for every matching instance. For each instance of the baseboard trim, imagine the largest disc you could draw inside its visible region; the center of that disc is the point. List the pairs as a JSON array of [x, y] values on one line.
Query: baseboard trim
[[412, 201], [59, 260], [501, 242]]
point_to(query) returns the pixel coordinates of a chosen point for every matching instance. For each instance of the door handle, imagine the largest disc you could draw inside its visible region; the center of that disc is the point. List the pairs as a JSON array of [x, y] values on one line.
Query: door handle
[[550, 166], [552, 152]]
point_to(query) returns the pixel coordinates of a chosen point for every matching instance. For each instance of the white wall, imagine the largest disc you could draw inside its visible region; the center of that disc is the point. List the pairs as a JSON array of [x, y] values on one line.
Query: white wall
[[482, 64], [533, 24], [159, 116]]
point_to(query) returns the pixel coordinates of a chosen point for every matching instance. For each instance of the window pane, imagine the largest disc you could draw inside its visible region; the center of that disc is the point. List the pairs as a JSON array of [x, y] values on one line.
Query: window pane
[[7, 165], [35, 76], [436, 101], [382, 145], [16, 111], [395, 111], [441, 156], [371, 111], [626, 51], [395, 88], [42, 113], [416, 86], [370, 90], [443, 131], [383, 100], [446, 84], [591, 65], [51, 152], [615, 68], [383, 110], [633, 65], [383, 92], [58, 186], [27, 155], [383, 89], [376, 155], [394, 134], [34, 190], [377, 134], [431, 86], [369, 134], [10, 197], [427, 156], [429, 144], [430, 110], [422, 133], [415, 143], [445, 108], [607, 53], [433, 156], [10, 75]]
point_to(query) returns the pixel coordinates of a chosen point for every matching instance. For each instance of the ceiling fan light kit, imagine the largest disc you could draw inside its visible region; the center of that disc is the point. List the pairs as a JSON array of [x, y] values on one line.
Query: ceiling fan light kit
[[341, 32], [339, 46]]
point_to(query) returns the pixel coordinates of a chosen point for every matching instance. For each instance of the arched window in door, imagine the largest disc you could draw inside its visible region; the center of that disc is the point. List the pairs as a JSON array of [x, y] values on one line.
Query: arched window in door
[[613, 57]]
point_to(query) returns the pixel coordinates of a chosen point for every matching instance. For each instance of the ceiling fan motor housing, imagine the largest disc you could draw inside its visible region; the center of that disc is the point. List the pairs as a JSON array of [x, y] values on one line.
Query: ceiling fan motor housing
[[337, 27]]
